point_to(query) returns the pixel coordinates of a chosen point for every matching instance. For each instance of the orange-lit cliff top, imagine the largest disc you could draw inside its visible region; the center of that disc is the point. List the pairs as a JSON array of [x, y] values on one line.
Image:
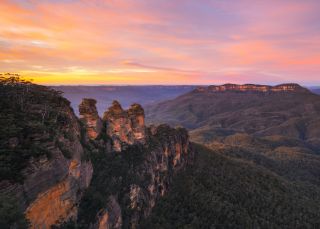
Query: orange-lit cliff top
[[289, 87]]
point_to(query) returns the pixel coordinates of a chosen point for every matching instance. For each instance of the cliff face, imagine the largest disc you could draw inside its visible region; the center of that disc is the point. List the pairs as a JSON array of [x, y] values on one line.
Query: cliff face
[[253, 88], [53, 176], [54, 186], [59, 202], [172, 153], [125, 126]]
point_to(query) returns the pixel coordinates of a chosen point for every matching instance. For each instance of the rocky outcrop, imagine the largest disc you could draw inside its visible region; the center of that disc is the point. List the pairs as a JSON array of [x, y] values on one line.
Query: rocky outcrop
[[136, 115], [89, 116], [253, 88], [168, 151], [125, 126]]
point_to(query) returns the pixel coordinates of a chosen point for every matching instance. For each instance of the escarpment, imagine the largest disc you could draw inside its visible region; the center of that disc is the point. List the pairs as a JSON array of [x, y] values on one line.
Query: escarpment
[[138, 170], [90, 172], [290, 87], [43, 167], [217, 111]]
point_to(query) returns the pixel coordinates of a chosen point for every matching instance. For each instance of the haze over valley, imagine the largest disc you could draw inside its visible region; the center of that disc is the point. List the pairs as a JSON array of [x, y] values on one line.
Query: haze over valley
[[126, 95]]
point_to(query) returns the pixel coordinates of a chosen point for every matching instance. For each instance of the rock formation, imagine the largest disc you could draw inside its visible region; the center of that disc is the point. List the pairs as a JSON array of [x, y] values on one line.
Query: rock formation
[[50, 161], [162, 152], [167, 150], [136, 115], [125, 126], [89, 116], [253, 88]]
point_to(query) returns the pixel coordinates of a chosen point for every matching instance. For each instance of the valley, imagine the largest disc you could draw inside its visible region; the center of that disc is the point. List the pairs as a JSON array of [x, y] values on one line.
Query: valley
[[126, 95]]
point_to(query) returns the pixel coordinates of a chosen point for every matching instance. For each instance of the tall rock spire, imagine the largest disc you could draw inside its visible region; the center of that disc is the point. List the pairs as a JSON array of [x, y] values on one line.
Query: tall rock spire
[[89, 116]]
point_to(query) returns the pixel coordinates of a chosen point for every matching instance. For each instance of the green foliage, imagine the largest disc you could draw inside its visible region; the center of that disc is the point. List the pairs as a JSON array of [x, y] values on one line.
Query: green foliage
[[113, 174], [289, 158], [30, 117], [222, 192], [11, 216]]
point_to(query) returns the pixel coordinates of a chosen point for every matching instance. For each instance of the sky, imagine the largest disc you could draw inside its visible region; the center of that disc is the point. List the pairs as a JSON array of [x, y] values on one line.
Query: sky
[[161, 41]]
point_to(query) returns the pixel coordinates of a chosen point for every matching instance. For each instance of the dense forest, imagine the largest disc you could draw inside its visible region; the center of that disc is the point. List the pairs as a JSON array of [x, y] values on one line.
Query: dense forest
[[222, 191]]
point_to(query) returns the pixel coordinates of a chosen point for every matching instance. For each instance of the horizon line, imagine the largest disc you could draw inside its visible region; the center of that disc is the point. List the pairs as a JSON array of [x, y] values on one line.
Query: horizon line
[[168, 85]]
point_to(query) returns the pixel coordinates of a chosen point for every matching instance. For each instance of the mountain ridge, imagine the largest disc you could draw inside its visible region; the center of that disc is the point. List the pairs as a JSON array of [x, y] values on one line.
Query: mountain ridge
[[286, 87], [271, 138], [292, 112]]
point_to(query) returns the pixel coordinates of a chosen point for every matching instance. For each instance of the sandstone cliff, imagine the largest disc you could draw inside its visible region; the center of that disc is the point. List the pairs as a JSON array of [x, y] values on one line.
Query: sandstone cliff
[[253, 88], [44, 169]]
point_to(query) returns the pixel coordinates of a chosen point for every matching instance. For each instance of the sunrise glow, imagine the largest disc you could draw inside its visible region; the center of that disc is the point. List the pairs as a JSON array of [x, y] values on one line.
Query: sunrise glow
[[161, 42]]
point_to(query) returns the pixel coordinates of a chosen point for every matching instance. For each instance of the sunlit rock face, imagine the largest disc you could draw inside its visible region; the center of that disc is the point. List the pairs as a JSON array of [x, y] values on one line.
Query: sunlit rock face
[[125, 126], [59, 203], [55, 185], [89, 116], [253, 88]]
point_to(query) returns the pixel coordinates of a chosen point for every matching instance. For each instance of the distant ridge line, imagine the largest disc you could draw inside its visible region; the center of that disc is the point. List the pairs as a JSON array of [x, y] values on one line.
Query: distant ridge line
[[288, 87]]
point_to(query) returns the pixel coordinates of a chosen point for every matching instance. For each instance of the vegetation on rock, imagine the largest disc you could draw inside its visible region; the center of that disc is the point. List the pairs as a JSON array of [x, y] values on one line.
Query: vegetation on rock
[[31, 117]]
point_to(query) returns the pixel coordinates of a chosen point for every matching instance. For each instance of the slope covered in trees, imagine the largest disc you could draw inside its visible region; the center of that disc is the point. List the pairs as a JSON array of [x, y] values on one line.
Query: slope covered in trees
[[226, 191]]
